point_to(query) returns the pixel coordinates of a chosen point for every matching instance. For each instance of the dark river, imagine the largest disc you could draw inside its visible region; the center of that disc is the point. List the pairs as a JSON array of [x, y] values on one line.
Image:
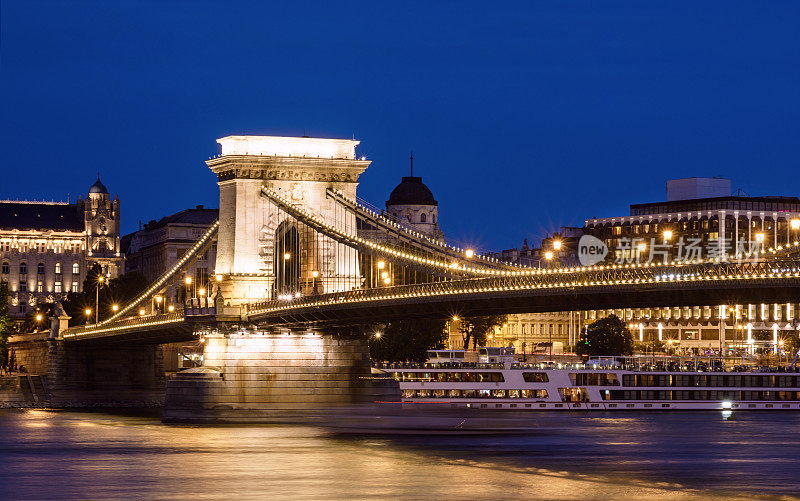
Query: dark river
[[690, 455]]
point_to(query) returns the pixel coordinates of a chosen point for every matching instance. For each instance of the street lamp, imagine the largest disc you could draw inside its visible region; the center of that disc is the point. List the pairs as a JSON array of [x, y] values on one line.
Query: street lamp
[[170, 308], [381, 265], [556, 244], [88, 312], [114, 308], [548, 255], [795, 223], [287, 256], [201, 292], [100, 279], [469, 253], [667, 235]]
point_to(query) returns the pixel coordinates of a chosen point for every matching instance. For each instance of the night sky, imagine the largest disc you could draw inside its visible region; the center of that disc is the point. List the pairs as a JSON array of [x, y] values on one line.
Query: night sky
[[522, 117]]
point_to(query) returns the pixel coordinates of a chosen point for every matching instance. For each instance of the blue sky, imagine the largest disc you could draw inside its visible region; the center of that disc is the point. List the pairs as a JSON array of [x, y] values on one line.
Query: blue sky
[[522, 116]]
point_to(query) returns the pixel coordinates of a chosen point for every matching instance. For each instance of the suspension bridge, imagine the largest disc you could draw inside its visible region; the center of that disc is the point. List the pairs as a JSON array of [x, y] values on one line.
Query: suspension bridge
[[304, 267]]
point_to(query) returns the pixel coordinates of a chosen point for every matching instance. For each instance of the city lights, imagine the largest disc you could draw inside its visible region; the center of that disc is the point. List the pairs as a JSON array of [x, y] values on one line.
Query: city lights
[[188, 280], [381, 265], [795, 223], [548, 255], [469, 253], [114, 307], [667, 235], [557, 244]]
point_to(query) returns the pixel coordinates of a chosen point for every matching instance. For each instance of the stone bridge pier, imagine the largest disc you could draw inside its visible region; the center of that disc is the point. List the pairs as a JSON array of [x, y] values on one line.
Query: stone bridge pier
[[82, 374], [253, 375]]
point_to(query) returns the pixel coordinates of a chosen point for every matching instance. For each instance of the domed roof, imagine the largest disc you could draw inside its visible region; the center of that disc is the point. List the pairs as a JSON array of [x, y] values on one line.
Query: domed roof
[[411, 191], [98, 187]]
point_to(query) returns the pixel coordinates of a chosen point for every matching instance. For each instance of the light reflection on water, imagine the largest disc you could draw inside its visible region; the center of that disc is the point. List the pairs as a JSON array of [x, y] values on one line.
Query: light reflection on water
[[46, 455]]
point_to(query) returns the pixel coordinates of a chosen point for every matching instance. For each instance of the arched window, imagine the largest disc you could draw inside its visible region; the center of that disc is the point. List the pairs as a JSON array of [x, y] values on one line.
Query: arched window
[[40, 268], [58, 268], [23, 268], [6, 268], [433, 219], [286, 260], [76, 269], [423, 218]]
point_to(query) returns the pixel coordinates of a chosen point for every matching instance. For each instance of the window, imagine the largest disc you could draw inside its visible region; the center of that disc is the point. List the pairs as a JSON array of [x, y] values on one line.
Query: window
[[23, 285], [423, 218], [74, 285], [40, 269], [58, 268], [535, 377], [76, 269], [57, 286], [23, 268], [39, 286], [6, 269]]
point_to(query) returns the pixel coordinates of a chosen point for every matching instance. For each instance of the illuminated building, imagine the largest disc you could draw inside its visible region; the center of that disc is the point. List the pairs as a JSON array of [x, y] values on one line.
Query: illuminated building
[[158, 246], [46, 248], [719, 226]]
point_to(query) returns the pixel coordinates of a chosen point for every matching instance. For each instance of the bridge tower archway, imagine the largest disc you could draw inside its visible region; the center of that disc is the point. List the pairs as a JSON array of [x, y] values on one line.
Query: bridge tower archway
[[287, 259]]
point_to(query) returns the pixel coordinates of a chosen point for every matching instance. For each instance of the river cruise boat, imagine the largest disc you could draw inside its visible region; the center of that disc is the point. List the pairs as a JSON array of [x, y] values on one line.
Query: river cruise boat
[[498, 380]]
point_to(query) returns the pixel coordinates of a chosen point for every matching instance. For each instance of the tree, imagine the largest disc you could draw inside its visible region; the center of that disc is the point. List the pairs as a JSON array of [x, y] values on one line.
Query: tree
[[407, 340], [7, 325], [608, 336], [476, 328]]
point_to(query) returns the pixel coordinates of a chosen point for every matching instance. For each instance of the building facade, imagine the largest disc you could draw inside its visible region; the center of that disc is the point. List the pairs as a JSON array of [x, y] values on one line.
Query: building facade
[[723, 227], [158, 246], [46, 248]]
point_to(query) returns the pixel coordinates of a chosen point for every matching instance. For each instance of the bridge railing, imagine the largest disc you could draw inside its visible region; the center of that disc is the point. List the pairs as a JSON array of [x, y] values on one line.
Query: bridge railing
[[665, 275], [121, 325]]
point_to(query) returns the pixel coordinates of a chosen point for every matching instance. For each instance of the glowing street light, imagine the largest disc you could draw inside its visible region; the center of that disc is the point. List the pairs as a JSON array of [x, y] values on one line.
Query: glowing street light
[[201, 292], [188, 280], [287, 256], [114, 307], [455, 318], [378, 335], [667, 235], [381, 265], [641, 247], [315, 274], [795, 224], [219, 278], [88, 312], [760, 238], [469, 253], [170, 308], [387, 281], [556, 244], [141, 311], [159, 299], [548, 255]]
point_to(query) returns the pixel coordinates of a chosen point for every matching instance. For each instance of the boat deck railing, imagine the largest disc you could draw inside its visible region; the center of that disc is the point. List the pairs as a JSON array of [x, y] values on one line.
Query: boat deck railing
[[657, 367]]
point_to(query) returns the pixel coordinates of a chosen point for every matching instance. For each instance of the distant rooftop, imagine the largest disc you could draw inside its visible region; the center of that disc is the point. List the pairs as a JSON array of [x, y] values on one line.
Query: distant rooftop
[[311, 147], [31, 215]]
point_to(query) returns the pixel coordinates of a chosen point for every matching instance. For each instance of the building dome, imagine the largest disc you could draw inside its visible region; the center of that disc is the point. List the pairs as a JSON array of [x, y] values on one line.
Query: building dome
[[98, 187], [411, 191]]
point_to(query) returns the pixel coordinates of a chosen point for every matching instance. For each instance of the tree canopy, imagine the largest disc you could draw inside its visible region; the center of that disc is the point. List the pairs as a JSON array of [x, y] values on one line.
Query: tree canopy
[[476, 329], [406, 340], [7, 326], [607, 336]]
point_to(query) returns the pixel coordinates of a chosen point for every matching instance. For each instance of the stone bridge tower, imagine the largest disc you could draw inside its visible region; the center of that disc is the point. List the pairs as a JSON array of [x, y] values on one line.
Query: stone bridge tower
[[257, 245]]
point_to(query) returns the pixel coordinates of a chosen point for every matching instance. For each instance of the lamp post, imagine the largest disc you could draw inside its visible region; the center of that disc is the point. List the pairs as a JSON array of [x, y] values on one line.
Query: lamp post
[[88, 312], [795, 225], [100, 280]]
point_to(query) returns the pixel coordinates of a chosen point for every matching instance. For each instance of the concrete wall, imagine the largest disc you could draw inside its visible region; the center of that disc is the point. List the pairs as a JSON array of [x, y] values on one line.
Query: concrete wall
[[260, 377]]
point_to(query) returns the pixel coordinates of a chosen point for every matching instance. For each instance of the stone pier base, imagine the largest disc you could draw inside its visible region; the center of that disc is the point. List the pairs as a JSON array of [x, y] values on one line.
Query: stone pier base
[[262, 377], [79, 374]]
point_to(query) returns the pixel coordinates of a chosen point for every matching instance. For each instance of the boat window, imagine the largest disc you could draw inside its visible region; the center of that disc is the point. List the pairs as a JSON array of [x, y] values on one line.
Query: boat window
[[535, 377]]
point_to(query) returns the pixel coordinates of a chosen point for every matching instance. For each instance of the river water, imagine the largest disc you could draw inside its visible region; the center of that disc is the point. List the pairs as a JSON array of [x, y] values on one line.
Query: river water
[[689, 455]]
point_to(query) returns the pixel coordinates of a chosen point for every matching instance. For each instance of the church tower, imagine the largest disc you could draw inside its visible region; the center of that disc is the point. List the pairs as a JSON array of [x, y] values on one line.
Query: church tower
[[102, 221]]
